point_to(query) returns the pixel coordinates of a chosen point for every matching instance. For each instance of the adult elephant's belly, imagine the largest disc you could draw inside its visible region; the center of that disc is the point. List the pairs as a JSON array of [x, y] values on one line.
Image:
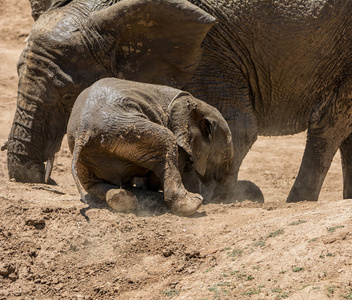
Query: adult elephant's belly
[[286, 110], [278, 125]]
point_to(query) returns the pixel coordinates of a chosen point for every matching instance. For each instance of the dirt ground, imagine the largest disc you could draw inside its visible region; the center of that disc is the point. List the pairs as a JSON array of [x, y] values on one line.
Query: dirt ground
[[52, 247]]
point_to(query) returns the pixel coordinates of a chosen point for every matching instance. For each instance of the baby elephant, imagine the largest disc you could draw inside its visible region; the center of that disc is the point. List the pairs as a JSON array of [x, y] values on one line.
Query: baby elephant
[[120, 130]]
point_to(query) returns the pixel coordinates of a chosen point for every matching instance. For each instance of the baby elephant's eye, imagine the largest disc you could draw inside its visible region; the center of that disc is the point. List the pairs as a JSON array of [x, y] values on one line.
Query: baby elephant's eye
[[225, 155]]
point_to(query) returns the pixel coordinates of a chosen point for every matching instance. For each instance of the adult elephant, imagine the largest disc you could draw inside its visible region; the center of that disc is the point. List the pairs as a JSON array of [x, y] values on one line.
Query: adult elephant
[[270, 67]]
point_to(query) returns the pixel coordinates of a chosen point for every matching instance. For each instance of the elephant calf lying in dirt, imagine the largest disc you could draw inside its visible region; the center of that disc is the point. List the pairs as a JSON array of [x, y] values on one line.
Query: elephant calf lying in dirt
[[119, 130]]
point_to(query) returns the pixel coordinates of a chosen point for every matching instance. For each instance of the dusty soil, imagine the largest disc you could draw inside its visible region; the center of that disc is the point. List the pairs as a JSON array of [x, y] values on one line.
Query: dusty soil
[[52, 247]]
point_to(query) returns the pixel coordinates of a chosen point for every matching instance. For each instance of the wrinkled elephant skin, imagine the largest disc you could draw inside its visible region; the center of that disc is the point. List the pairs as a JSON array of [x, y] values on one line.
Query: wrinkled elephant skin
[[270, 67]]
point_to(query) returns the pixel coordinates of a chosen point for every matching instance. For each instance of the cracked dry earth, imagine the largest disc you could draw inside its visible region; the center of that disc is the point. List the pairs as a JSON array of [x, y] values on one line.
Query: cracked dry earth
[[53, 247]]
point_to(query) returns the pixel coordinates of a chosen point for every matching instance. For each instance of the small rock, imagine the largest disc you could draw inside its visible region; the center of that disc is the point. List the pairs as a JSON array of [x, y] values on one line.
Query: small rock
[[193, 254], [173, 284], [47, 210], [37, 223], [167, 252], [180, 268], [32, 253], [6, 269], [13, 276]]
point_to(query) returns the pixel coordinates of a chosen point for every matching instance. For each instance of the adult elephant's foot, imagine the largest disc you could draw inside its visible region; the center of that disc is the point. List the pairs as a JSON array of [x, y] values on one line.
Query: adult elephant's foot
[[185, 205], [302, 194], [243, 190], [121, 200], [28, 172], [247, 190]]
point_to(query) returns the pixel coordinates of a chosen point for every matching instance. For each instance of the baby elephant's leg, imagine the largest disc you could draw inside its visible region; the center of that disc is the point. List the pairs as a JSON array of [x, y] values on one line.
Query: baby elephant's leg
[[153, 147], [118, 199]]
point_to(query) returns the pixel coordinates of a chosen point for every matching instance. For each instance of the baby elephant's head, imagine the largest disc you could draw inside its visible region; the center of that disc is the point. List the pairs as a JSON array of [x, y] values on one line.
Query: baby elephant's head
[[202, 132]]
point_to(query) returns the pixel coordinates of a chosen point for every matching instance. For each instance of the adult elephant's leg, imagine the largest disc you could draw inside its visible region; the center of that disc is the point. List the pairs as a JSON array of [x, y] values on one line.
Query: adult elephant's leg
[[346, 159], [329, 126], [315, 164]]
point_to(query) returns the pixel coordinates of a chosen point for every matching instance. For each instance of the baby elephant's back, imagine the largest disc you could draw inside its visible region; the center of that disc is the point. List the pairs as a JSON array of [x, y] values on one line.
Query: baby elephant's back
[[114, 101], [111, 103]]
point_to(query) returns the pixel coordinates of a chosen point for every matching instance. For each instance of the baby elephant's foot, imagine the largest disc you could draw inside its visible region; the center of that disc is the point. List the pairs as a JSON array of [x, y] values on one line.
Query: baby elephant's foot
[[121, 200], [186, 205]]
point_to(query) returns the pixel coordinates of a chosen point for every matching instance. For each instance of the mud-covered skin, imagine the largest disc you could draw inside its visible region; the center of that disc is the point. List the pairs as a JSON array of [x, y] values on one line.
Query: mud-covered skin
[[270, 67], [119, 130], [75, 43]]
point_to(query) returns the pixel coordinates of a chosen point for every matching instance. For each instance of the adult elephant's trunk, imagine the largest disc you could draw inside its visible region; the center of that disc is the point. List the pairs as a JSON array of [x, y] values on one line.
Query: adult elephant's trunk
[[40, 118]]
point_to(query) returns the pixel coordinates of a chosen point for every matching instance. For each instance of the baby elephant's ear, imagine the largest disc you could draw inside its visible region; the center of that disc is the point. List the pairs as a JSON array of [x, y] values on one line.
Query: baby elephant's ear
[[41, 6], [192, 128], [155, 41]]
